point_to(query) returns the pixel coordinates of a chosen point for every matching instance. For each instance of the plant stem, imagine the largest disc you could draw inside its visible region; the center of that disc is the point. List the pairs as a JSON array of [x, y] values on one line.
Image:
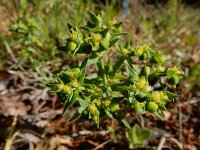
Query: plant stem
[[104, 76], [102, 69]]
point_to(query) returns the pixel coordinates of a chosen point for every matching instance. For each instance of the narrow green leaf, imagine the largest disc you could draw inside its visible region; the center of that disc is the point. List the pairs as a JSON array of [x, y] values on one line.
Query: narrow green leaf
[[171, 95], [75, 116], [71, 27], [113, 41], [125, 122], [117, 25], [121, 33], [93, 18], [83, 71], [162, 105], [137, 129], [129, 70], [170, 74], [159, 114], [71, 101], [145, 134], [108, 113], [120, 116], [93, 61]]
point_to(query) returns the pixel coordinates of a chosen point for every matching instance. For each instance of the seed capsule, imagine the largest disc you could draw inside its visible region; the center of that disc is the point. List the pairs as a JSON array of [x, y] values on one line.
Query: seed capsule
[[136, 106], [133, 88], [143, 56], [71, 46], [152, 107]]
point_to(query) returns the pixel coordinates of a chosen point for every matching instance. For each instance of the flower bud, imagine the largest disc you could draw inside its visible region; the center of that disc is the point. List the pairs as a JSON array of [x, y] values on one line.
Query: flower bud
[[96, 38], [148, 88], [126, 52], [98, 102], [156, 97], [142, 83], [92, 108], [67, 89], [72, 73], [162, 58], [60, 86], [145, 71], [160, 69], [157, 58], [163, 95], [107, 103], [108, 36], [138, 51], [175, 70], [22, 27], [133, 88], [74, 83], [152, 107], [73, 36]]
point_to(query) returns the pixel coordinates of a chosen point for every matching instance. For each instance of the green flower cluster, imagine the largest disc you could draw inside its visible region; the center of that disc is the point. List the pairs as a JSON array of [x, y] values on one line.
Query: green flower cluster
[[118, 86]]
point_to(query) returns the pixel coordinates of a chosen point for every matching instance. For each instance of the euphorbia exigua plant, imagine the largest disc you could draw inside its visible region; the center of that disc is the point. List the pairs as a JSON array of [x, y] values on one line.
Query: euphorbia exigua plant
[[115, 82]]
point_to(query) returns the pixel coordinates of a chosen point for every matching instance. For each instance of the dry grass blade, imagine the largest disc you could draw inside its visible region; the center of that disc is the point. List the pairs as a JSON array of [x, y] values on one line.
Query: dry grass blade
[[10, 135]]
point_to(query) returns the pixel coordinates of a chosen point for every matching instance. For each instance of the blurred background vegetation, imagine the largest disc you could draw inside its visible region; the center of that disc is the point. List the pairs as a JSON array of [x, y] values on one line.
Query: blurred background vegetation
[[31, 31]]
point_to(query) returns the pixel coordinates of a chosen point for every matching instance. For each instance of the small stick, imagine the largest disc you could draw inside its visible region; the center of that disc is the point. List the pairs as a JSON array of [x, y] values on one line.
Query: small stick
[[161, 143], [180, 122], [102, 145], [10, 134], [11, 54]]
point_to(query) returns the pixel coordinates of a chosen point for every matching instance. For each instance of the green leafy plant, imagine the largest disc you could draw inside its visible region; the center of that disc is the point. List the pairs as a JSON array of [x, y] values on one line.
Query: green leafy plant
[[137, 137], [115, 82]]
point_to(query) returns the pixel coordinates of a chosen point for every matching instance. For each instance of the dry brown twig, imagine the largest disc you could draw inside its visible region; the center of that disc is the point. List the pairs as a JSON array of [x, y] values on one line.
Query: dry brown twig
[[102, 144], [166, 137]]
